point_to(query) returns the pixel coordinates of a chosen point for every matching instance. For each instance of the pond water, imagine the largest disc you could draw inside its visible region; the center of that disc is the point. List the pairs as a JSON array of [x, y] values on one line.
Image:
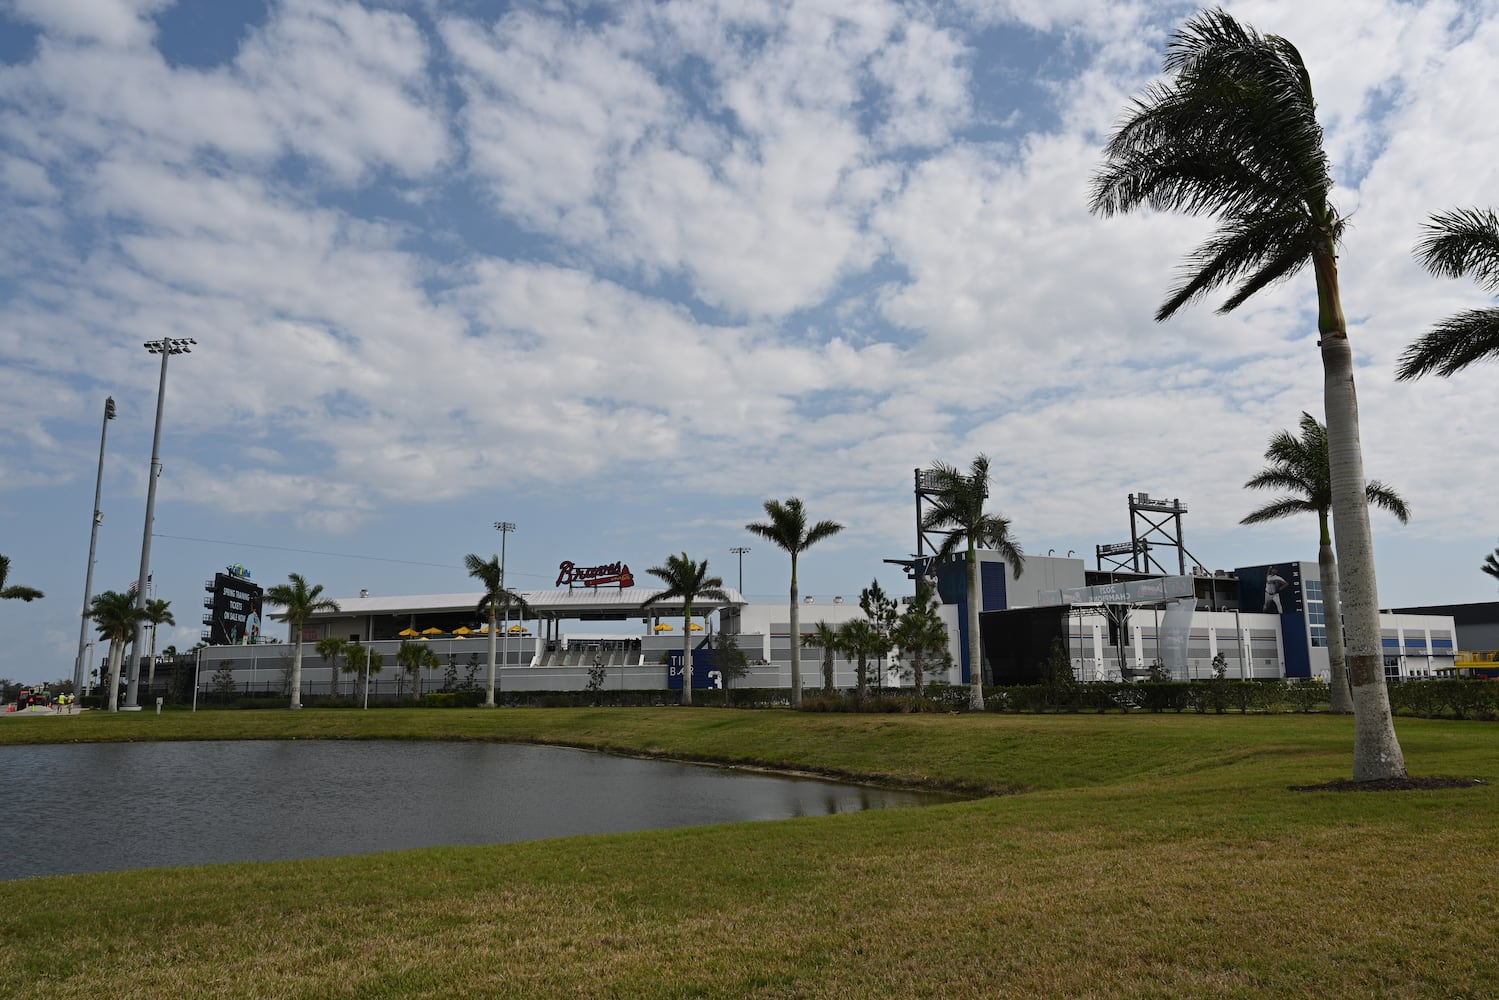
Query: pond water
[[107, 806]]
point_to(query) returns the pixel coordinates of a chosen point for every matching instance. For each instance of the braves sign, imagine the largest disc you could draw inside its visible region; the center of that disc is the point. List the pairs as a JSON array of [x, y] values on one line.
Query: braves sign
[[610, 575]]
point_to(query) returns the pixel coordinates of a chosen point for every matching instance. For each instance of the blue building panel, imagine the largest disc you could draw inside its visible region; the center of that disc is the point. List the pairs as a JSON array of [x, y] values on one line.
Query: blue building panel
[[1293, 637]]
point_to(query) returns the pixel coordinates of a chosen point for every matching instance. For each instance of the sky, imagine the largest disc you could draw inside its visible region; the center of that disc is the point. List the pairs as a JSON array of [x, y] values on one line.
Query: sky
[[620, 272]]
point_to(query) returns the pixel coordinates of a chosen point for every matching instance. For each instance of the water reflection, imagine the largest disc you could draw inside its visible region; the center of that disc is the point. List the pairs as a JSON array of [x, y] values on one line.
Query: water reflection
[[107, 806]]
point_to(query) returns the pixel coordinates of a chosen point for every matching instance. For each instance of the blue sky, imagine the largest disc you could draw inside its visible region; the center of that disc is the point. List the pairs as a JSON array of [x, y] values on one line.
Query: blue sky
[[620, 272]]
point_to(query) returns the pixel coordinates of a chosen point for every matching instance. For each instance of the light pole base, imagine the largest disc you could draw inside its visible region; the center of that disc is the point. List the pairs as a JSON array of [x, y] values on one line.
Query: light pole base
[[131, 708]]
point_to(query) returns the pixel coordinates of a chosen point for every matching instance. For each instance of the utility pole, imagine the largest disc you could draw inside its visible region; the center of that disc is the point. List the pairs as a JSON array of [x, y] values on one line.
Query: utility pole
[[166, 347], [504, 528], [93, 541]]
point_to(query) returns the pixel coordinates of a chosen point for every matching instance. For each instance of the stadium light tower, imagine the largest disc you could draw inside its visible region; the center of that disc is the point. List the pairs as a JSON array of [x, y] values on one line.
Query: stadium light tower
[[166, 347], [93, 542], [504, 528], [740, 550]]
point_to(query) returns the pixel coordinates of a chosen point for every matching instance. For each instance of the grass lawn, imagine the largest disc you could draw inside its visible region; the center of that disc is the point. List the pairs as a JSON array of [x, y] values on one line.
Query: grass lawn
[[1146, 855]]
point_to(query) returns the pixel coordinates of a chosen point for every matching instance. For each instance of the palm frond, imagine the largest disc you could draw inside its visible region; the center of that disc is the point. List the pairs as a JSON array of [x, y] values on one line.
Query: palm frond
[[1460, 243], [1452, 345], [1385, 498], [1277, 509], [1491, 564]]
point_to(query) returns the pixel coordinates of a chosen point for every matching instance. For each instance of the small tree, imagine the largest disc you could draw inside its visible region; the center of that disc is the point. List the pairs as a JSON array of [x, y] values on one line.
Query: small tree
[[223, 680], [1491, 564], [731, 662], [860, 640], [1057, 675], [882, 610], [920, 636], [597, 674], [825, 637], [330, 648]]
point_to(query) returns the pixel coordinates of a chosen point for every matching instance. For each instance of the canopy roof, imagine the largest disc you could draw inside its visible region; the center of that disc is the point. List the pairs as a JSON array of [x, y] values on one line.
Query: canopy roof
[[579, 604]]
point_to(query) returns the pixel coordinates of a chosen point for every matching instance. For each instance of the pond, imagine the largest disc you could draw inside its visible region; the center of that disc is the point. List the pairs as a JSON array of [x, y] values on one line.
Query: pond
[[108, 806]]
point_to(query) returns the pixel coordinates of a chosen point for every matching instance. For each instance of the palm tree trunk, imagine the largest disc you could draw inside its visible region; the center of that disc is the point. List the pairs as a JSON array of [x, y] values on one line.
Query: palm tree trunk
[[975, 641], [493, 627], [1376, 749], [1340, 698], [151, 664], [296, 670], [796, 641], [687, 653], [115, 649]]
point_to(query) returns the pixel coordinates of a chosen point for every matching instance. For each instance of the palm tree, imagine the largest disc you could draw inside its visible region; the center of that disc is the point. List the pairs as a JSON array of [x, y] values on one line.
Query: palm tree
[[301, 602], [825, 637], [788, 529], [958, 508], [158, 612], [116, 617], [1457, 244], [920, 634], [491, 573], [1491, 564], [861, 640], [16, 592], [686, 580], [1234, 135], [1298, 466], [330, 648]]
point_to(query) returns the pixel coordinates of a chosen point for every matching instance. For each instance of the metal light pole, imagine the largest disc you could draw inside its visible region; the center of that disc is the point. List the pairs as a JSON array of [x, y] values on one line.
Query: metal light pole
[[166, 347], [504, 528], [740, 550], [93, 541]]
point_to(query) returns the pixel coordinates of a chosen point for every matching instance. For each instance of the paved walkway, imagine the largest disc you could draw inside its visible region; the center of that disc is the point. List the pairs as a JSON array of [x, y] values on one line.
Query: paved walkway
[[41, 713]]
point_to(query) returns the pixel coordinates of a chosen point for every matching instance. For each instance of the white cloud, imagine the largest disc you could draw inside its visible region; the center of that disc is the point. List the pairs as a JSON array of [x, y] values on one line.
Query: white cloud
[[111, 22]]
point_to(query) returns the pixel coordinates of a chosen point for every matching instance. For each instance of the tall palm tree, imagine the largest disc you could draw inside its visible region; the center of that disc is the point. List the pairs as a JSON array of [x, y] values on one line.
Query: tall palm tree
[[686, 580], [491, 573], [301, 603], [330, 648], [958, 508], [158, 612], [1298, 467], [1234, 135], [825, 637], [788, 529], [116, 617], [1456, 244], [15, 592]]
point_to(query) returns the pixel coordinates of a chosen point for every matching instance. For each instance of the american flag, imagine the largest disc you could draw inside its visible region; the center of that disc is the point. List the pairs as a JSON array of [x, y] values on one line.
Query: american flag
[[135, 585]]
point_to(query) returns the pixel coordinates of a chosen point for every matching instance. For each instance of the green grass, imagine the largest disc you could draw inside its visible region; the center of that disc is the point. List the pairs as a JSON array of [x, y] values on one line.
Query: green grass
[[1143, 855]]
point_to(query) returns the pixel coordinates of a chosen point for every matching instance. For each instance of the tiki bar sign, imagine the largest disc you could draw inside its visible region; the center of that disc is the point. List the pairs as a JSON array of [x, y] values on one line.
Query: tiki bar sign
[[610, 575]]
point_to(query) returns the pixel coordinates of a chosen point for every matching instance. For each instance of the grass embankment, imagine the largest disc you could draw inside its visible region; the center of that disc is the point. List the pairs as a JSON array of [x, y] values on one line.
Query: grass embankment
[[1148, 855]]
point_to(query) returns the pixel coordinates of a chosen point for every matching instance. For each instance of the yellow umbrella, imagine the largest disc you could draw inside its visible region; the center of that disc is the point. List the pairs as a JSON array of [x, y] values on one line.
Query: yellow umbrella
[[463, 630], [433, 631], [408, 631], [696, 627], [517, 628], [663, 627]]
